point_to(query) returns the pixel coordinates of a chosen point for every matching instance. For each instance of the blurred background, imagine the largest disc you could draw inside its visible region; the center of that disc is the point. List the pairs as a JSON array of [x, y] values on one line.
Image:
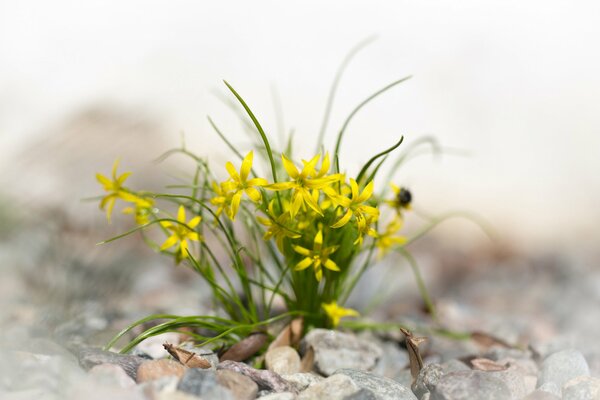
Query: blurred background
[[513, 85]]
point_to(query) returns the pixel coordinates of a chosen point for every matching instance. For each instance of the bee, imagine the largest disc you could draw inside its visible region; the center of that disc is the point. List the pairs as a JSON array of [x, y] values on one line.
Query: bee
[[404, 197]]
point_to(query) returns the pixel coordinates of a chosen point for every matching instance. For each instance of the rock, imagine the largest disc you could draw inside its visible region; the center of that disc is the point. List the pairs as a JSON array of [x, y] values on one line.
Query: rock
[[541, 395], [563, 366], [111, 374], [335, 350], [203, 383], [427, 378], [383, 388], [552, 388], [582, 388], [301, 380], [176, 395], [240, 386], [426, 396], [90, 357], [514, 378], [336, 387], [454, 365], [393, 360], [155, 369], [279, 396], [268, 380], [468, 385], [362, 394], [283, 360], [166, 384]]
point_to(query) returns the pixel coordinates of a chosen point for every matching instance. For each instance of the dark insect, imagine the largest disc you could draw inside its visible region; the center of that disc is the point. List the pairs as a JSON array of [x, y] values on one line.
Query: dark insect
[[404, 197]]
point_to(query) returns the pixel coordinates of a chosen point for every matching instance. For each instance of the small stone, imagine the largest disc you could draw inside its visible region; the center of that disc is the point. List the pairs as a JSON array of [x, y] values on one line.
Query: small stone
[[176, 395], [362, 394], [155, 369], [335, 350], [240, 386], [111, 374], [582, 388], [91, 357], [383, 388], [514, 378], [283, 360], [468, 385], [392, 361], [552, 388], [563, 366], [541, 395], [265, 379], [427, 378], [302, 380], [454, 365], [279, 396], [336, 387], [203, 383], [426, 396], [166, 384]]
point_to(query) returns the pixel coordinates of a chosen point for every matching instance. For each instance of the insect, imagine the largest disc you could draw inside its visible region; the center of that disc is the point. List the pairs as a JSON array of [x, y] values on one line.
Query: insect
[[404, 197], [414, 356], [187, 358]]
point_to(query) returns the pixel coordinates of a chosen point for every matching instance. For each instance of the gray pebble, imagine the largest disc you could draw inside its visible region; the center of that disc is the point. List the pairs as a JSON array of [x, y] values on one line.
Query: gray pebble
[[541, 395], [383, 388], [563, 366], [469, 385], [279, 396], [427, 378], [91, 357], [550, 387], [240, 386], [283, 360], [203, 383], [336, 387], [362, 394], [582, 388], [302, 380]]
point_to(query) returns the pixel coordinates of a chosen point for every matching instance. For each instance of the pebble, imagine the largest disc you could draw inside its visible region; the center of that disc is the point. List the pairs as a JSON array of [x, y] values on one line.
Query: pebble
[[203, 383], [279, 396], [111, 374], [383, 388], [336, 387], [335, 350], [563, 366], [551, 387], [427, 378], [469, 385], [155, 369], [582, 388], [514, 378], [541, 395], [454, 365], [393, 360], [283, 360], [90, 357], [240, 386], [301, 380], [267, 380], [176, 395], [362, 394]]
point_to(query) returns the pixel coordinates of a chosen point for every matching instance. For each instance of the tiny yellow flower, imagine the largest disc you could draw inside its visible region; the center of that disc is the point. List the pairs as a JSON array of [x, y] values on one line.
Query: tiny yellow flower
[[278, 227], [365, 229], [354, 206], [317, 257], [114, 188], [182, 232], [141, 210], [222, 200], [304, 181], [388, 239], [240, 184], [335, 312]]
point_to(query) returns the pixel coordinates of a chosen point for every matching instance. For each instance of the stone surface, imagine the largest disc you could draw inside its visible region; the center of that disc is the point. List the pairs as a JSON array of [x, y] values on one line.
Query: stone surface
[[383, 388], [279, 396], [582, 388], [454, 365], [283, 360], [541, 395], [336, 387], [469, 385], [335, 350], [155, 369], [265, 379], [427, 378], [552, 388], [362, 394], [302, 380], [111, 374], [176, 395], [240, 386], [393, 360], [90, 357], [563, 366], [203, 383], [514, 378]]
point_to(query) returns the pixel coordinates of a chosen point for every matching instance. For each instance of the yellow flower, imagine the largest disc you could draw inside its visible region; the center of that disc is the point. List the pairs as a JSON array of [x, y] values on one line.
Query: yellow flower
[[142, 209], [239, 183], [114, 188], [365, 229], [316, 257], [277, 227], [182, 232], [402, 198], [222, 200], [387, 240], [304, 181], [355, 207], [335, 312]]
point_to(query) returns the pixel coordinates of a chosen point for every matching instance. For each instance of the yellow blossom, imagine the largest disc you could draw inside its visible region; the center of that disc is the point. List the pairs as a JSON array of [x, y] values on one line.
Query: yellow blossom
[[365, 229], [222, 200], [354, 206], [182, 232], [114, 188], [388, 239], [317, 257], [304, 181], [240, 184], [335, 312], [277, 227], [142, 209]]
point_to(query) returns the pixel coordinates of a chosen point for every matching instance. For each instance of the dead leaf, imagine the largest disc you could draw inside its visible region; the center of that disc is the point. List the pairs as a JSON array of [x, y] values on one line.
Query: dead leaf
[[414, 356], [484, 364], [245, 348], [186, 357], [486, 340], [290, 335], [308, 360]]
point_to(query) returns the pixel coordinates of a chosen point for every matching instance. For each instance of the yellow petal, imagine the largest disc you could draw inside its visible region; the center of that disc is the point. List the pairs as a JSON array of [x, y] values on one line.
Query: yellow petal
[[257, 182], [318, 274], [235, 204], [289, 167], [331, 265], [296, 204], [354, 187], [344, 220], [194, 222], [183, 246], [123, 178], [310, 201], [170, 242], [301, 250], [324, 165], [309, 166], [246, 166], [253, 193], [181, 214], [193, 236], [114, 169], [281, 186], [318, 242], [366, 193], [110, 203], [232, 172], [307, 262], [104, 181]]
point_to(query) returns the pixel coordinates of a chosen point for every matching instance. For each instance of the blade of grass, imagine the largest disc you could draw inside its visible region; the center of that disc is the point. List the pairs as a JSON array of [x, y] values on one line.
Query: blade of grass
[[375, 157]]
